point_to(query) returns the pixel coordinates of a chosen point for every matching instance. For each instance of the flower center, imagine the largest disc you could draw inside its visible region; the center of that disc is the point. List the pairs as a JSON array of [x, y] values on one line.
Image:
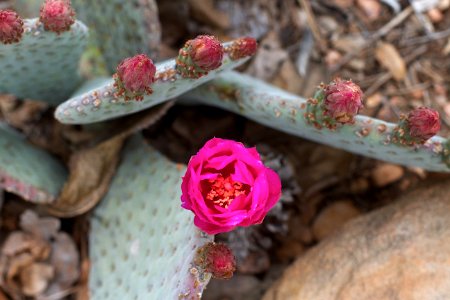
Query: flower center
[[224, 190]]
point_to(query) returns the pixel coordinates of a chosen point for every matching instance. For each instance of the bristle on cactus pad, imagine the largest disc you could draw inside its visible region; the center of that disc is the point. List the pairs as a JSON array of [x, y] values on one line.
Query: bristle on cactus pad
[[135, 24], [286, 112], [102, 103], [142, 243], [28, 171], [43, 65]]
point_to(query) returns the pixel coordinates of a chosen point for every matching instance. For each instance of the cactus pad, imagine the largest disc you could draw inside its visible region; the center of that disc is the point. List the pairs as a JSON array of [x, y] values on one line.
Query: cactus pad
[[101, 103], [28, 171], [43, 65], [281, 110], [135, 25], [28, 8], [142, 243]]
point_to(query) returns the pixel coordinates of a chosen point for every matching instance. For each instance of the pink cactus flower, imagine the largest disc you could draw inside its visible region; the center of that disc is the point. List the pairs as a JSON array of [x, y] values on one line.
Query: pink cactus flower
[[423, 123], [226, 185], [217, 259], [343, 100], [243, 47], [11, 27], [57, 15], [134, 76]]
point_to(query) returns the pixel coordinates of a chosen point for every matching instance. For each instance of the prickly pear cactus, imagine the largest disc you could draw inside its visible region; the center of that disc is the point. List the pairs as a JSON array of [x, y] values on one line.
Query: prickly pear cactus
[[43, 65], [28, 171], [278, 109], [135, 23], [142, 243], [102, 103], [28, 8]]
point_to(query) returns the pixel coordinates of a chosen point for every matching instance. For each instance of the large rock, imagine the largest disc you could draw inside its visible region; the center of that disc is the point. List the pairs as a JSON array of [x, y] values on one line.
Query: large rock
[[401, 251]]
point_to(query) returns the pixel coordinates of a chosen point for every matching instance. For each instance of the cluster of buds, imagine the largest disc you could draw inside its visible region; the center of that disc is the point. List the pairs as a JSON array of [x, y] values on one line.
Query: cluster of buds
[[197, 57], [55, 15], [340, 101]]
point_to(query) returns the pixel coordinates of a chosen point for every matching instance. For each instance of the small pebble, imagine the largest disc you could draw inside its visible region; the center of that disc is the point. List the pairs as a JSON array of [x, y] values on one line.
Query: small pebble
[[385, 174], [333, 217]]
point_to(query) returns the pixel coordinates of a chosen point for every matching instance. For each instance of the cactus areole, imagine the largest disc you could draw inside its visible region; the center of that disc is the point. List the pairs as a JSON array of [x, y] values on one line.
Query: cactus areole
[[217, 259], [134, 76], [11, 27], [57, 15], [199, 56]]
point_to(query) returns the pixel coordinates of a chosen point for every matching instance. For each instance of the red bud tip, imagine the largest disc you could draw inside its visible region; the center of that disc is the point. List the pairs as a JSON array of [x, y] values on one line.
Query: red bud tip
[[57, 15], [11, 27], [199, 56], [423, 123], [217, 259], [343, 100], [134, 76], [243, 47]]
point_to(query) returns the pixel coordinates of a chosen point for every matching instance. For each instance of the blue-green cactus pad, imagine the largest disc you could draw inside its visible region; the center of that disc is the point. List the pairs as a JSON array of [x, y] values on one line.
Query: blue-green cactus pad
[[101, 103], [142, 243], [43, 65], [122, 28], [273, 107], [28, 8], [28, 171]]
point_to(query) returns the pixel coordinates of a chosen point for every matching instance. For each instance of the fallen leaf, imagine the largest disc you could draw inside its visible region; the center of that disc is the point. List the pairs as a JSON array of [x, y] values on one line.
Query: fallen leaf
[[91, 169], [388, 56]]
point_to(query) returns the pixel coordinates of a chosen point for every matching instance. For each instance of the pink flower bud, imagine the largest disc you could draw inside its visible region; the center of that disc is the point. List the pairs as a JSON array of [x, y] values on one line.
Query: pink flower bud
[[134, 76], [423, 123], [217, 259], [199, 56], [243, 47], [57, 15], [11, 27], [343, 100]]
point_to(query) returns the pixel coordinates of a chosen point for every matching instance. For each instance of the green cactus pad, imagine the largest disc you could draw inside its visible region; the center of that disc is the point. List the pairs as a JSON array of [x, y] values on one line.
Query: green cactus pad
[[28, 171], [43, 65], [142, 243], [101, 103], [281, 110], [135, 25], [28, 8]]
